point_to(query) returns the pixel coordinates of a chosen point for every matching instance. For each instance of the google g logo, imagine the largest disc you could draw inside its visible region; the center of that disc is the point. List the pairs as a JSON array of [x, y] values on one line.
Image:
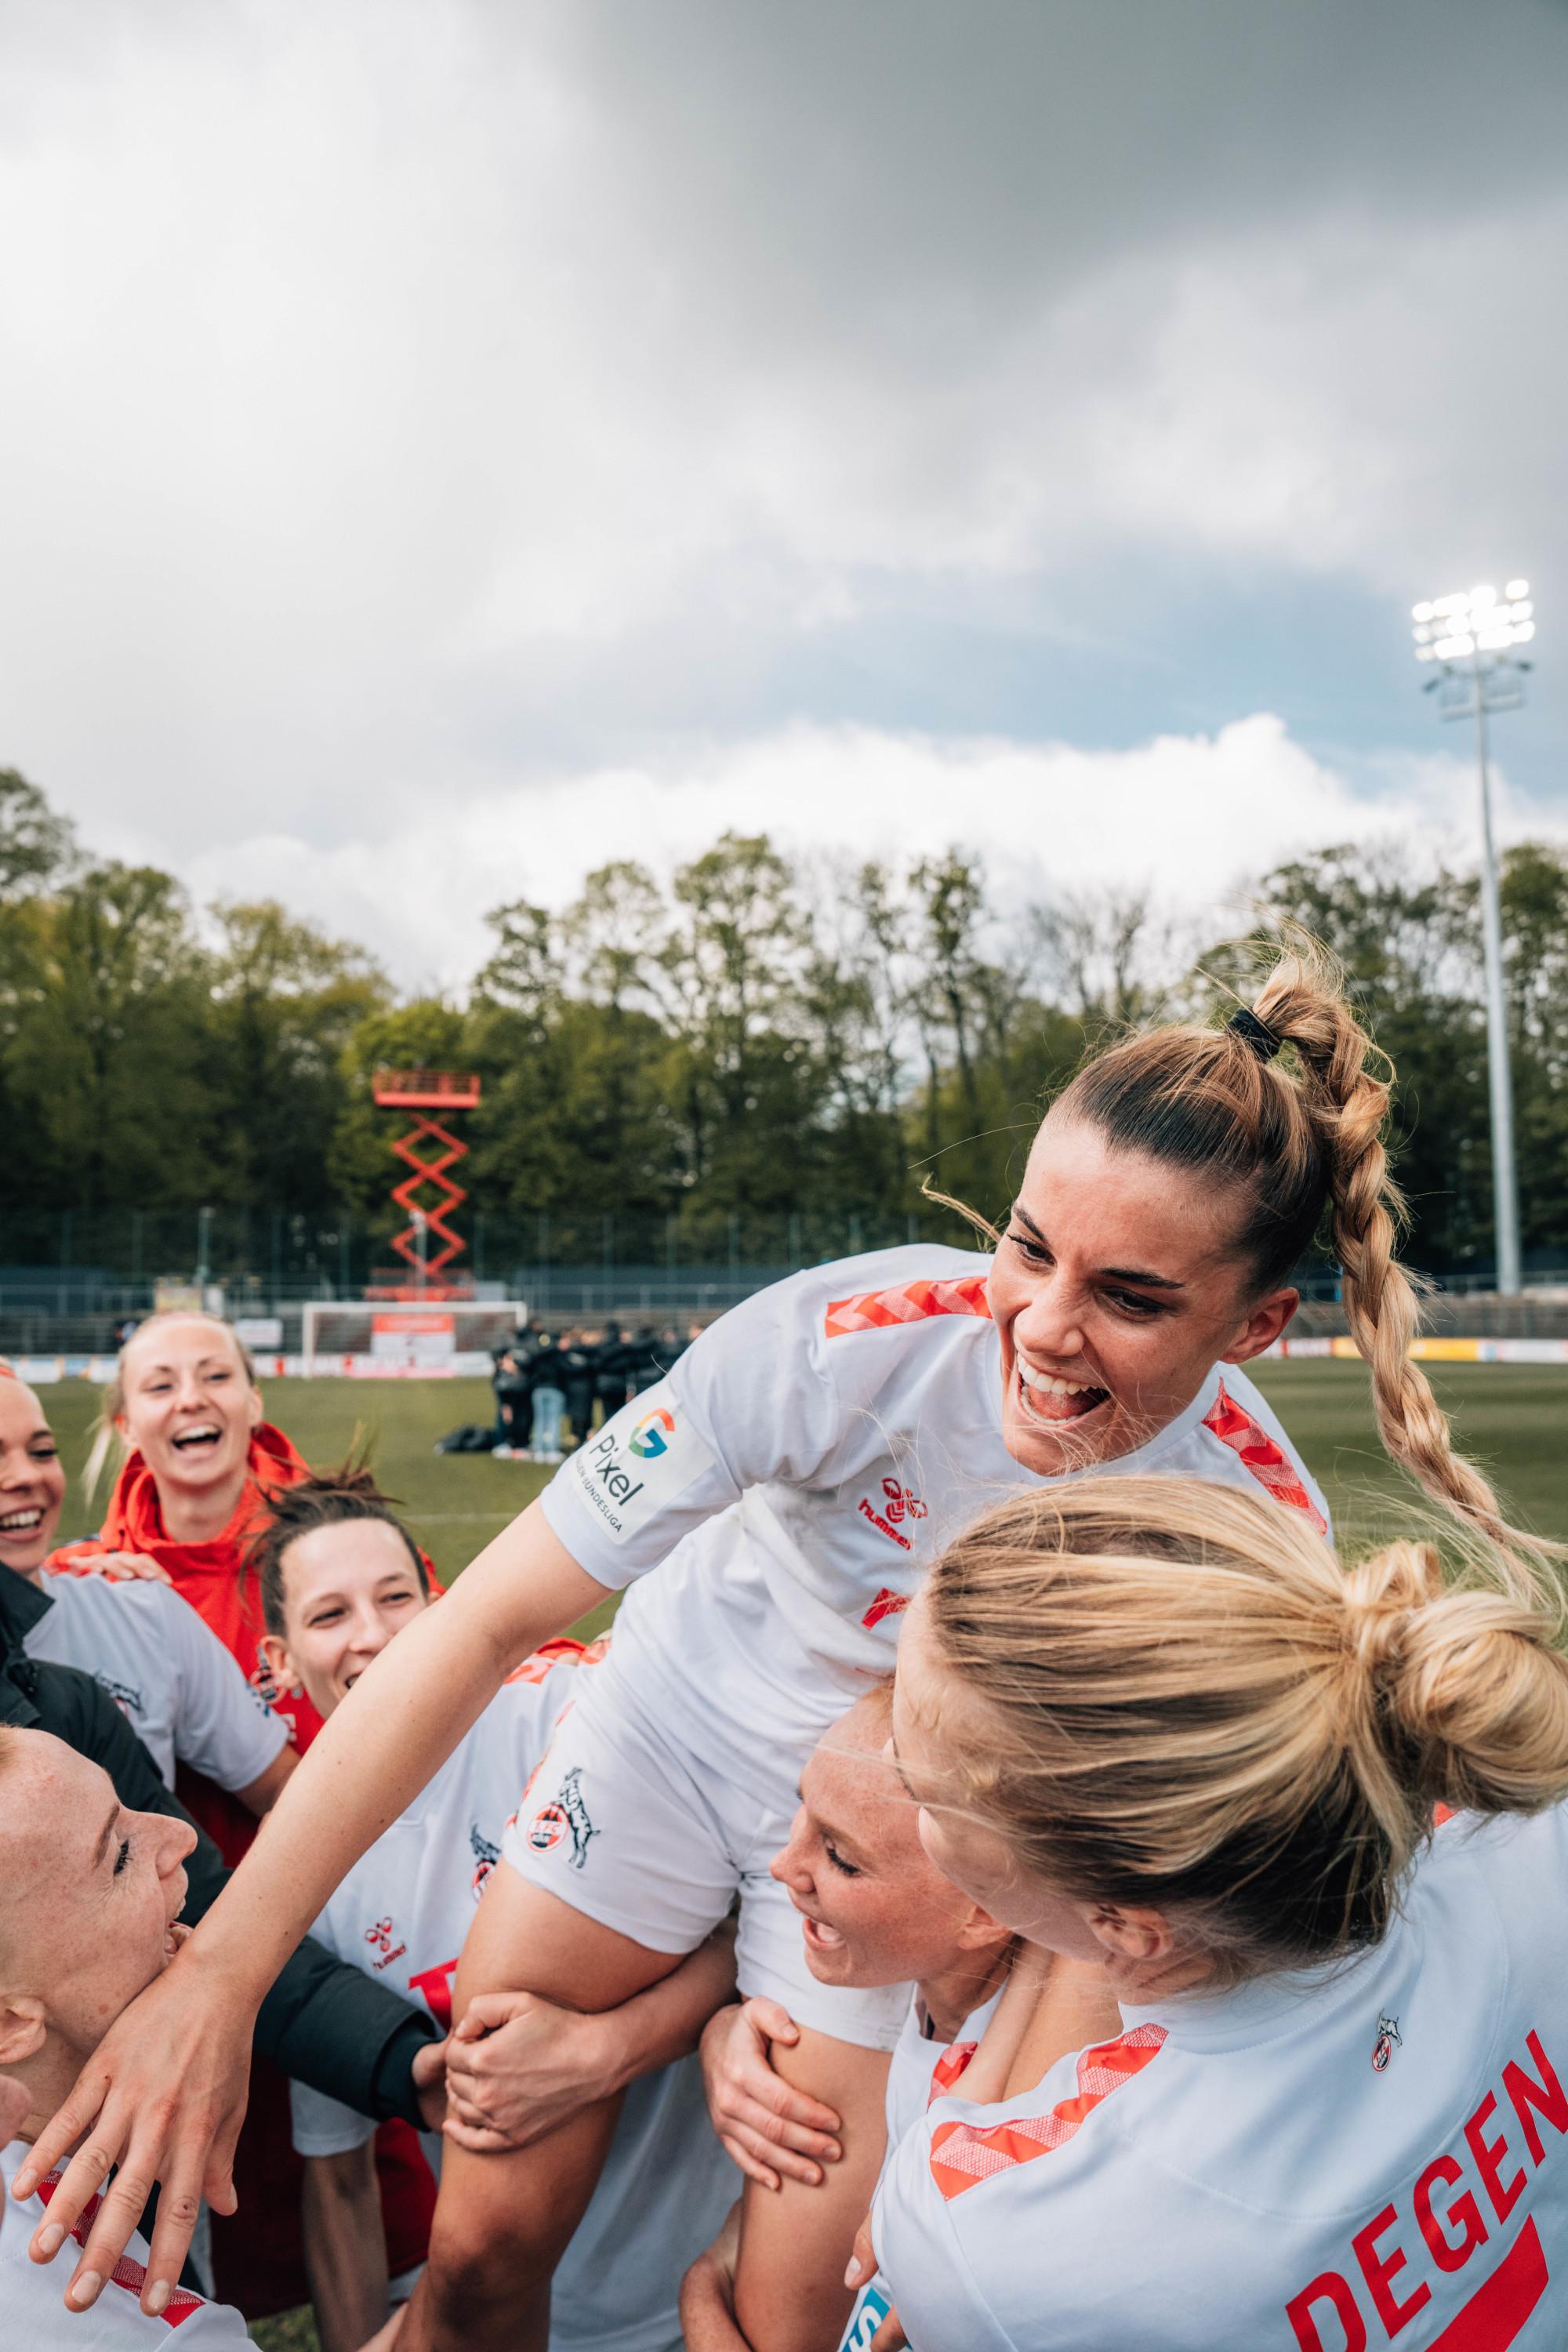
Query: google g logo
[[652, 1434]]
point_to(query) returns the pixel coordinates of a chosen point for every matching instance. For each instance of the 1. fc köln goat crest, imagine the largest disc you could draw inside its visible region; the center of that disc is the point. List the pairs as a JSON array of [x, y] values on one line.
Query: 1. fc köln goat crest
[[486, 1858], [1387, 2043], [567, 1816]]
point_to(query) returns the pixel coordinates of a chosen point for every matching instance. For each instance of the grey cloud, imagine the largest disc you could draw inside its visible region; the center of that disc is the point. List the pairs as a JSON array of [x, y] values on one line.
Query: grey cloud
[[406, 399]]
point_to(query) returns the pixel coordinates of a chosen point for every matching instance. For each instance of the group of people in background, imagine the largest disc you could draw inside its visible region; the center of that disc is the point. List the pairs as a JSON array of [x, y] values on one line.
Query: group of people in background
[[1006, 1884], [550, 1386]]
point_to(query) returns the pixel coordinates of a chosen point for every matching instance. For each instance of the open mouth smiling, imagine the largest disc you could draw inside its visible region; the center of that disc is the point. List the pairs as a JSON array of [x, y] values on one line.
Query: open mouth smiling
[[1047, 1398], [199, 1440], [20, 1523]]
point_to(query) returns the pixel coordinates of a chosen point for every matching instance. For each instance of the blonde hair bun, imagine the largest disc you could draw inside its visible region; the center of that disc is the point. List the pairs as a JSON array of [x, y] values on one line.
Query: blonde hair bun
[[1171, 1694]]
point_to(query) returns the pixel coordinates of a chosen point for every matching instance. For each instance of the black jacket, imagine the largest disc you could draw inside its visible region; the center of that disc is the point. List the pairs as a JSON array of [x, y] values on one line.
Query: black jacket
[[322, 2022]]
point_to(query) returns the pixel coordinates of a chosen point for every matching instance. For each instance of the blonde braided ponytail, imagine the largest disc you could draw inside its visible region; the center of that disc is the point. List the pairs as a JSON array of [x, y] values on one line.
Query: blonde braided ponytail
[[1291, 1143], [1302, 1004]]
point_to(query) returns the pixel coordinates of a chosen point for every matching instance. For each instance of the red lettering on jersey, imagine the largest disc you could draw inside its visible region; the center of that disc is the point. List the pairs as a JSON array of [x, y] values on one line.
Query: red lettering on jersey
[[436, 1984], [911, 1302], [1270, 1465], [1330, 2289], [1496, 2314], [963, 2154], [1488, 2155], [1381, 2270], [1449, 2217], [1547, 2096], [1448, 2254], [888, 1603], [868, 1511], [131, 2275]]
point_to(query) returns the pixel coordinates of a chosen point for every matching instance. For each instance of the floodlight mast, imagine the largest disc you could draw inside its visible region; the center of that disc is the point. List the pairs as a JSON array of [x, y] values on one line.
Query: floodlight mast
[[1471, 637]]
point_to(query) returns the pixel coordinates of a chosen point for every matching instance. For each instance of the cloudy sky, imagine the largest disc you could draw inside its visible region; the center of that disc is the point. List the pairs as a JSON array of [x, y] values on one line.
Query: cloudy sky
[[449, 443]]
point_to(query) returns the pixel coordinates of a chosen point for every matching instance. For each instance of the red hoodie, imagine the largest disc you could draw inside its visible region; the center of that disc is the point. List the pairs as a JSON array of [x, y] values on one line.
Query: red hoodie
[[256, 2254]]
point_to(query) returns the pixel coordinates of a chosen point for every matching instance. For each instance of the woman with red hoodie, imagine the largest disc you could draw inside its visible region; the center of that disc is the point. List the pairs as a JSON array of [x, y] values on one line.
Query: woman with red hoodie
[[200, 1463]]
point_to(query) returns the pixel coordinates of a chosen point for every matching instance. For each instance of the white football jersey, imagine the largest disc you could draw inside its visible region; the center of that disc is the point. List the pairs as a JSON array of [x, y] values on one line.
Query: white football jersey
[[1322, 2162], [797, 1469], [401, 1914], [923, 2069], [178, 1688], [32, 2315]]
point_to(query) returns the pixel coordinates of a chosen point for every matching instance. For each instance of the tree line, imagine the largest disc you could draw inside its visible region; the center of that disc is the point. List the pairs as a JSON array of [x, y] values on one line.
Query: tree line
[[749, 1037]]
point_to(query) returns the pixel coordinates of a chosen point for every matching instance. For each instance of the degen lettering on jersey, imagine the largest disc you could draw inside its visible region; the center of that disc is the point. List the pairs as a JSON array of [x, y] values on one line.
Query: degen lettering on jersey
[[1458, 2209], [638, 1463]]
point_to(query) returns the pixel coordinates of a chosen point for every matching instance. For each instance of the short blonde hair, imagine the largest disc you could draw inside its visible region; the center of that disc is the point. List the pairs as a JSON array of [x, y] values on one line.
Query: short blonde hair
[[1174, 1695]]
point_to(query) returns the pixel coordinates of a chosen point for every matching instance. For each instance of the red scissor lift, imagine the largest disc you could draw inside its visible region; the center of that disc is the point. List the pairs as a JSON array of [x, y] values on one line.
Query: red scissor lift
[[423, 1093]]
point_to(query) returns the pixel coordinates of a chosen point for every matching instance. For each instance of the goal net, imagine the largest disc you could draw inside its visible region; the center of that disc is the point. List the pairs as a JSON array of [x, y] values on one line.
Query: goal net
[[371, 1338]]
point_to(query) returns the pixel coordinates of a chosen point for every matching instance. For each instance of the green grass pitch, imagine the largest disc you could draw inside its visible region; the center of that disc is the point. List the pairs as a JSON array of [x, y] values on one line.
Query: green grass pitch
[[1511, 1418]]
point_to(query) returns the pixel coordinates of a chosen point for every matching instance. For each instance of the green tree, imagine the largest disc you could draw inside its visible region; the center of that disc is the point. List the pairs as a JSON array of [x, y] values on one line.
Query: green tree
[[104, 1060], [286, 1002]]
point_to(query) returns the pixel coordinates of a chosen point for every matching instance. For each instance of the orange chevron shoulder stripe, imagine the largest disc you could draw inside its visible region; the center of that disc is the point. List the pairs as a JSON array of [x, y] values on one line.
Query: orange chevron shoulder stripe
[[962, 2154], [911, 1302], [1269, 1464]]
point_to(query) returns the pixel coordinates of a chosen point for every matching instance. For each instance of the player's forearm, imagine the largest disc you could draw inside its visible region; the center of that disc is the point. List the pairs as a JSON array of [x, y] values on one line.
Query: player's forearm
[[707, 2309], [391, 1734], [346, 2248], [666, 2022]]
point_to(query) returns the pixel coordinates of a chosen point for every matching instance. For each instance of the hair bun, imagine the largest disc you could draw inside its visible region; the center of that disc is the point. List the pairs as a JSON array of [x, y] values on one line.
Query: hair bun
[[1382, 1596]]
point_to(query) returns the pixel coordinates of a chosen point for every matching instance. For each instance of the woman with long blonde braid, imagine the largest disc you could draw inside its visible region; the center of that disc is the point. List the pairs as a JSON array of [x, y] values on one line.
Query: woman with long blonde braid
[[774, 1504]]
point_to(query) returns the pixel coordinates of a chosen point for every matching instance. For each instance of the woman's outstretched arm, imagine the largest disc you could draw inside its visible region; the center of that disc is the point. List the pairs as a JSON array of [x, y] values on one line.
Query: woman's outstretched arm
[[163, 2095]]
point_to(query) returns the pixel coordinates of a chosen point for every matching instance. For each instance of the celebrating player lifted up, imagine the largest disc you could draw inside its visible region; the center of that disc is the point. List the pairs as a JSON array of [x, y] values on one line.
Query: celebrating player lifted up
[[789, 1481]]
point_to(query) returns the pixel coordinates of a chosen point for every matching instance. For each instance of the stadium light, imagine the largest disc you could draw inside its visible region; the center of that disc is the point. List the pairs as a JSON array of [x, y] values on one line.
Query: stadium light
[[1471, 638]]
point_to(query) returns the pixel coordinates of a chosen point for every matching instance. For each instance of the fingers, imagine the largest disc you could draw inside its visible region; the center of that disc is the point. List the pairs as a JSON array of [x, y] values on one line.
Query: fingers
[[780, 2134], [429, 2065], [863, 2261], [766, 2016], [55, 2142], [179, 2209], [487, 2011], [483, 2138], [780, 2099], [889, 2336], [752, 2165], [778, 2156]]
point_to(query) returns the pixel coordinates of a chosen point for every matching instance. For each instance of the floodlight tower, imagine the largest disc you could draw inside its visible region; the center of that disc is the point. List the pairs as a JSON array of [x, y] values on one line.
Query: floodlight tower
[[1471, 636]]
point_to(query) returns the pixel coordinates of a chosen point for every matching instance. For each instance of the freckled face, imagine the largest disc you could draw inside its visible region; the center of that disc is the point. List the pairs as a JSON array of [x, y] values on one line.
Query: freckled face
[[873, 1908], [348, 1590], [89, 1891], [1114, 1291], [32, 1483]]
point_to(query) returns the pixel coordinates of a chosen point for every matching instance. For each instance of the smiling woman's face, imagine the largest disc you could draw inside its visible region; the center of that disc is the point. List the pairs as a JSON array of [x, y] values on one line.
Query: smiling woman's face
[[32, 1483], [873, 1909], [348, 1589], [1114, 1290], [189, 1405], [89, 1891]]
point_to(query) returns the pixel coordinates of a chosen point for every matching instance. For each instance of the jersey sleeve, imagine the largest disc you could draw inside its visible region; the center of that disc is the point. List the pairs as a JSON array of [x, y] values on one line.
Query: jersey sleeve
[[221, 1729], [323, 2126], [920, 2256], [752, 1400]]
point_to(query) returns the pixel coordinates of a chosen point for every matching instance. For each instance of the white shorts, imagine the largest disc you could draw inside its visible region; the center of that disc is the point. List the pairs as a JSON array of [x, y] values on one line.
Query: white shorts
[[622, 1824]]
